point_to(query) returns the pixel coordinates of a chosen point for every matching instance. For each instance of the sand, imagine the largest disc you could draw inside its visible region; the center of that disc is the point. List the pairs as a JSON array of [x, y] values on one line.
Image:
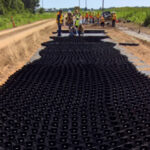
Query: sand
[[18, 45]]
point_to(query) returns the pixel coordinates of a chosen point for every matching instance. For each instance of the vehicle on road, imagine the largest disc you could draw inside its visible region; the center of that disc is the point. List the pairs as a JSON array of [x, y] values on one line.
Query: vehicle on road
[[107, 15]]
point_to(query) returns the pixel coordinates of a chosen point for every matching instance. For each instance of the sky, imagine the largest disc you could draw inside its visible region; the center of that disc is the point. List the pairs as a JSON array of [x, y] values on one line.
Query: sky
[[93, 3]]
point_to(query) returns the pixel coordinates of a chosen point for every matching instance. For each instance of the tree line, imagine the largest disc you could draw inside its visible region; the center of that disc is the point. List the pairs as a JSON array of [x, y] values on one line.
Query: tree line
[[18, 5]]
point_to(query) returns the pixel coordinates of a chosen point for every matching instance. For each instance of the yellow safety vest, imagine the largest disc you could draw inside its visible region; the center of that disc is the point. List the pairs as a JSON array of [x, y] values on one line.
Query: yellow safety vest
[[60, 20], [114, 17], [98, 16], [77, 22]]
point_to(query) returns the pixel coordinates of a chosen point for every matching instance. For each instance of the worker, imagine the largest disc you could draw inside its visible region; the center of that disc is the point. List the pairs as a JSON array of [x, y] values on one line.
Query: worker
[[102, 20], [93, 18], [77, 23], [86, 18], [98, 17], [69, 19], [59, 21], [83, 18], [114, 18], [80, 30], [72, 31], [90, 17]]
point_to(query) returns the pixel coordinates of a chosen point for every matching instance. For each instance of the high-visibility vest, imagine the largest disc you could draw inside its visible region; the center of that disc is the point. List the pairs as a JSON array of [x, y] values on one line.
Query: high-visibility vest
[[97, 16], [114, 17], [77, 22], [59, 19], [87, 15], [102, 19]]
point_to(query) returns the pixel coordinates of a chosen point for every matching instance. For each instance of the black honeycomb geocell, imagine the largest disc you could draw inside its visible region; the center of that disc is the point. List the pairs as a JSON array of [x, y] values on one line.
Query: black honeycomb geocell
[[82, 94]]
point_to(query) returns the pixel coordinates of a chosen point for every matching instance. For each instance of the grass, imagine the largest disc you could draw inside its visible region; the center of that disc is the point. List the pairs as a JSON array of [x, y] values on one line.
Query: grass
[[22, 19], [139, 15]]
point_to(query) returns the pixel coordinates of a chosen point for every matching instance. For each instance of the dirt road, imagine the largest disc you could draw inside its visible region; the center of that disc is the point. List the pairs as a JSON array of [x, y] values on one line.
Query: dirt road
[[82, 94], [132, 44], [18, 45]]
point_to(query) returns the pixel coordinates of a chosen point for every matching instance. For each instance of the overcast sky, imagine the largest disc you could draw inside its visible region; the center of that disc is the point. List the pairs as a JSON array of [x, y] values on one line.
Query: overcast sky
[[93, 3]]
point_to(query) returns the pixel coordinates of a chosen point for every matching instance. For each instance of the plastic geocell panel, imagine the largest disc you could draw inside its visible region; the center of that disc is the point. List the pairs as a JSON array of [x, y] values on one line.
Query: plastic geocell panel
[[82, 94]]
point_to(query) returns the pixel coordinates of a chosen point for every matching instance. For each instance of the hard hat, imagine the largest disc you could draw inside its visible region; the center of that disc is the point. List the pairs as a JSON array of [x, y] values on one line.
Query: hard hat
[[69, 11]]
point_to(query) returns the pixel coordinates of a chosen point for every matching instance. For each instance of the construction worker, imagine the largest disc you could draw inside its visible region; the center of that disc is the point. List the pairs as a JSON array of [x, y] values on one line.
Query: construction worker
[[102, 20], [77, 23], [69, 19], [80, 29], [90, 17], [86, 18], [114, 18], [93, 18], [72, 31], [83, 18], [59, 21], [98, 17]]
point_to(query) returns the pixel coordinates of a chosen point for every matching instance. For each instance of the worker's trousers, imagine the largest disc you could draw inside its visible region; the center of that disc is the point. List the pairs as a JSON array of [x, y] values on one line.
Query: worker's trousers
[[113, 23], [59, 30]]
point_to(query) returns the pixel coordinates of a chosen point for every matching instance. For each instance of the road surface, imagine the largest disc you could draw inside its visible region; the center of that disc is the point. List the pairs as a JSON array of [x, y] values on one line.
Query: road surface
[[82, 94]]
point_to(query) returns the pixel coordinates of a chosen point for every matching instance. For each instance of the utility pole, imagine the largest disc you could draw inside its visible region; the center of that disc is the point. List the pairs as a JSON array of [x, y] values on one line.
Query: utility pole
[[42, 4], [102, 5], [85, 4]]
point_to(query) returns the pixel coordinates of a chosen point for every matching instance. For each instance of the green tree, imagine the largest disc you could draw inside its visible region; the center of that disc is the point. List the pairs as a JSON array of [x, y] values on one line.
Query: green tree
[[7, 5], [31, 4], [18, 5], [2, 7]]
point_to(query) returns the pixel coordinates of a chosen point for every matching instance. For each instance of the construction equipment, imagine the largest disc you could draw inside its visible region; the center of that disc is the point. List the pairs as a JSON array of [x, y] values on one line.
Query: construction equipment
[[108, 17]]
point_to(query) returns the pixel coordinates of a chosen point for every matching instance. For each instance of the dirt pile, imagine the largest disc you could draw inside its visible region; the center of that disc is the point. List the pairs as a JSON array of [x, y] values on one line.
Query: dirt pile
[[17, 49]]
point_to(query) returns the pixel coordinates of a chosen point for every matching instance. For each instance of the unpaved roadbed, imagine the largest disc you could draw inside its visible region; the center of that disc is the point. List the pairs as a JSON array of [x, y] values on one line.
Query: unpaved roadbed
[[17, 46], [134, 46]]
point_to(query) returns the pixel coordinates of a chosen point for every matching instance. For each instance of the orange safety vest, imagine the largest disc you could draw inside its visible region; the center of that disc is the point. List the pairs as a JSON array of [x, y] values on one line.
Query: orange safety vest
[[87, 15], [102, 19]]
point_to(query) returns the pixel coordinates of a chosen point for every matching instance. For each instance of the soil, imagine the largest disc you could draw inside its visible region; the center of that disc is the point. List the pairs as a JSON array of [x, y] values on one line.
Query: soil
[[142, 51], [18, 45], [134, 27]]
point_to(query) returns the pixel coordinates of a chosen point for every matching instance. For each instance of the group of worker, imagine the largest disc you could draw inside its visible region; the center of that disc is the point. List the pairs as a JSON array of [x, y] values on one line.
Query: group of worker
[[97, 18], [73, 21], [76, 21]]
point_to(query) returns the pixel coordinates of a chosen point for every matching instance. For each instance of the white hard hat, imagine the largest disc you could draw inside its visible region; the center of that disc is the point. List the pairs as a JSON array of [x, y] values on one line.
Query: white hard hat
[[69, 11]]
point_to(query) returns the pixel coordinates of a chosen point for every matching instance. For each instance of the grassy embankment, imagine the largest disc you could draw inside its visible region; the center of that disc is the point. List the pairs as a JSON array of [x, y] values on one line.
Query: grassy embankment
[[137, 15], [22, 19], [140, 16]]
